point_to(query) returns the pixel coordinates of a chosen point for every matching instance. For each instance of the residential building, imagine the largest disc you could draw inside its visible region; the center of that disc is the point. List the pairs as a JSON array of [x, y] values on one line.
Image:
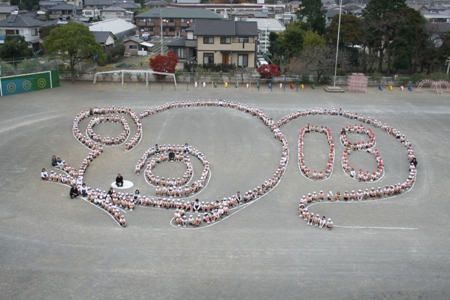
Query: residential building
[[226, 42], [6, 10], [27, 27], [265, 27], [120, 28], [155, 4], [63, 10], [100, 4], [227, 9], [136, 46], [106, 39], [174, 21], [114, 12]]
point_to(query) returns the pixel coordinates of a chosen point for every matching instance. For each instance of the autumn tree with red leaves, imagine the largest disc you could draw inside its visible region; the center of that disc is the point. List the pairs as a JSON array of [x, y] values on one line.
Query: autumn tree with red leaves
[[164, 63], [269, 71]]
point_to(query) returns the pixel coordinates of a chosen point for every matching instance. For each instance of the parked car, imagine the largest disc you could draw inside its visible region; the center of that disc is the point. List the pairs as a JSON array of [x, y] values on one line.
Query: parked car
[[261, 61]]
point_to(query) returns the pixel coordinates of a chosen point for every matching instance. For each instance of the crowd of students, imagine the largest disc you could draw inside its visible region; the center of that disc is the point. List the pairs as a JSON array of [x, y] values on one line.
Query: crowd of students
[[213, 211], [316, 175], [99, 115], [112, 202], [123, 136], [359, 195], [174, 187]]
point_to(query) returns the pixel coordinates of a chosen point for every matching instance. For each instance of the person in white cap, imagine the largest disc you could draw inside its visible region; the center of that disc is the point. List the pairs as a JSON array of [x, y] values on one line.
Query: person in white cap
[[310, 218], [321, 195], [359, 195], [329, 223], [317, 220]]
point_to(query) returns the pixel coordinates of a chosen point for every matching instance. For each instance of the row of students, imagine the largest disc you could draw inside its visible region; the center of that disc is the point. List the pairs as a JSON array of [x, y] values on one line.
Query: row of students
[[172, 187], [96, 119], [169, 182], [316, 175], [361, 145], [315, 220], [361, 175], [107, 140]]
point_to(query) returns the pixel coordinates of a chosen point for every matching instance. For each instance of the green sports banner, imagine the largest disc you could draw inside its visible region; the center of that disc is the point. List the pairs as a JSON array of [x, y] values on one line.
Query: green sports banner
[[30, 82]]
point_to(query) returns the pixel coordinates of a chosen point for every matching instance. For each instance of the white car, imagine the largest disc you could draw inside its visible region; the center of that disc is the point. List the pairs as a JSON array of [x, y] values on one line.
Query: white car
[[261, 61]]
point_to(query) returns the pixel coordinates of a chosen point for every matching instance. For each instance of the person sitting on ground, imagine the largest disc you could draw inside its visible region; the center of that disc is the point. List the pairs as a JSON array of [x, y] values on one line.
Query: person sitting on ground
[[329, 223], [59, 163], [73, 192], [54, 161], [119, 180], [197, 205], [171, 155], [323, 222], [84, 190], [186, 148], [44, 174], [110, 191]]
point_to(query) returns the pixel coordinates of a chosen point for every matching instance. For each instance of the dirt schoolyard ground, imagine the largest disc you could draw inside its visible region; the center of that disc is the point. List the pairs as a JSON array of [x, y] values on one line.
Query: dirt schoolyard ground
[[53, 247]]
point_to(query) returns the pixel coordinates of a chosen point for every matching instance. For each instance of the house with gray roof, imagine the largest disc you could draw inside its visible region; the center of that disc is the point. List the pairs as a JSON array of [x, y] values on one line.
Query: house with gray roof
[[120, 28], [27, 27], [225, 42], [106, 39], [6, 10], [155, 3], [100, 4], [63, 10], [175, 21], [114, 12]]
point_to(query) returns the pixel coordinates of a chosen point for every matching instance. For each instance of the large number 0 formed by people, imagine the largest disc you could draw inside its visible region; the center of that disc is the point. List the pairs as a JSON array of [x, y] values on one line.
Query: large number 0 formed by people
[[178, 193]]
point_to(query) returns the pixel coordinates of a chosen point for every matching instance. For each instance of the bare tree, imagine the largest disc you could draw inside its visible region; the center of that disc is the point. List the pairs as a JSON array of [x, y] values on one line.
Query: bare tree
[[318, 60]]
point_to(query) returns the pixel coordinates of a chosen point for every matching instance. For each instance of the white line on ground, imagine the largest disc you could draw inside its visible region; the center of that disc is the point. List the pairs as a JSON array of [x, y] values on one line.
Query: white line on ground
[[375, 227]]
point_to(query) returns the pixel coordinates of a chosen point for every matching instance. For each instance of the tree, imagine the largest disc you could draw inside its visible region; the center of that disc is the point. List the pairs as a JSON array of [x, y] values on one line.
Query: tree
[[288, 43], [14, 48], [26, 4], [164, 63], [73, 42], [269, 71], [45, 31], [379, 22], [319, 59], [314, 14], [350, 30]]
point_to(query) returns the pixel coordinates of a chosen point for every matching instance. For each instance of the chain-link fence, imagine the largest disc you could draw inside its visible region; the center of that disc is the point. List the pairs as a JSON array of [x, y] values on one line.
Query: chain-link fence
[[18, 66]]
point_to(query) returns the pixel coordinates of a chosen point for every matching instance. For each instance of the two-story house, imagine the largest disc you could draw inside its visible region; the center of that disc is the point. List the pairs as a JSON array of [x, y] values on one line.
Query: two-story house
[[114, 12], [64, 10], [174, 21], [226, 42], [27, 27]]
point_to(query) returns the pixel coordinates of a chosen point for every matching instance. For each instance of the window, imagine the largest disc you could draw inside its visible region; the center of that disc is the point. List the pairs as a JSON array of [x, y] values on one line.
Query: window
[[225, 40], [243, 40], [132, 47], [243, 60], [208, 58], [12, 32], [181, 52], [208, 40]]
